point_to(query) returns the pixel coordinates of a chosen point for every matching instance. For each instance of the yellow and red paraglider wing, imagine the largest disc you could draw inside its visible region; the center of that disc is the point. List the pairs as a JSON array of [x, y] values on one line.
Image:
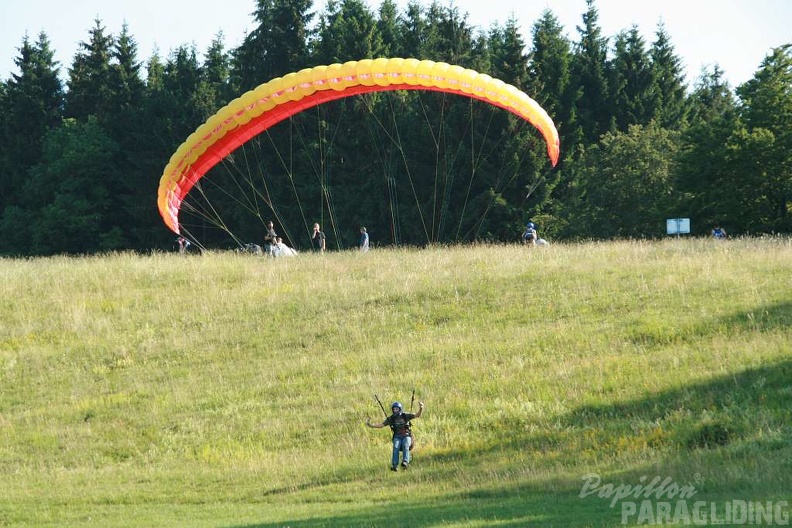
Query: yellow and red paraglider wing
[[272, 102]]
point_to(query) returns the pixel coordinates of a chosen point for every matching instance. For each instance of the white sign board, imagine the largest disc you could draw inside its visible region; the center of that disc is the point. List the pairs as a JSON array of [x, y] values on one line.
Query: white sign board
[[677, 226]]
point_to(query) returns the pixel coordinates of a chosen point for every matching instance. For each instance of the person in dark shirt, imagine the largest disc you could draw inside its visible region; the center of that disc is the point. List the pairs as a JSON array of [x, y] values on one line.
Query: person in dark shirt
[[399, 422], [270, 239], [318, 239]]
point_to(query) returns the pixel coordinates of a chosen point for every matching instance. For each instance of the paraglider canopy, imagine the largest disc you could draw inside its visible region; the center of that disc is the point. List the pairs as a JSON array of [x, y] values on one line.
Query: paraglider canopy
[[272, 102]]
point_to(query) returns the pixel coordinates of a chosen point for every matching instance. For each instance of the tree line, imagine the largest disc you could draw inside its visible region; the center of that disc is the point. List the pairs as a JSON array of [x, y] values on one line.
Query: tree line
[[80, 160]]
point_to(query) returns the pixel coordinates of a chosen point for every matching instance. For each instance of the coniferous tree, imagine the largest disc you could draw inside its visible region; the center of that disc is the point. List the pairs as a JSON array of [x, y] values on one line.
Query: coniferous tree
[[520, 155], [450, 37], [550, 65], [91, 77], [347, 31], [100, 90], [186, 101], [702, 185], [127, 86], [589, 63], [158, 135], [630, 81], [31, 103], [712, 97], [455, 184], [214, 89], [4, 158], [181, 81], [761, 152], [414, 31], [75, 192], [132, 135], [549, 71], [669, 91], [139, 145], [508, 55], [277, 45], [156, 106], [217, 69], [388, 27]]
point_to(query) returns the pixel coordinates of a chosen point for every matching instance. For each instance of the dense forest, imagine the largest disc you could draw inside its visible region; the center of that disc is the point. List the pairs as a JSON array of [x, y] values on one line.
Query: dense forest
[[81, 158]]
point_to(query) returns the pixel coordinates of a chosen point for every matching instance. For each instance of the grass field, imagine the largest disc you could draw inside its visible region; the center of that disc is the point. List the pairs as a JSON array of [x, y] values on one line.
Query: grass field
[[226, 390]]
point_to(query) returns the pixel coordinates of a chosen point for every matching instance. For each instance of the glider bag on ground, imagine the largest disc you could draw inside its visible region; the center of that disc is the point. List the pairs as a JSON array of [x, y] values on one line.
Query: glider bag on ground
[[272, 102]]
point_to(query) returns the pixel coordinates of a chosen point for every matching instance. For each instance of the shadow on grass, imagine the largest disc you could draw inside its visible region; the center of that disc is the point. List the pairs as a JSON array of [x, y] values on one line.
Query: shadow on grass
[[515, 506], [708, 414], [733, 405], [771, 318], [732, 401], [768, 318], [714, 413]]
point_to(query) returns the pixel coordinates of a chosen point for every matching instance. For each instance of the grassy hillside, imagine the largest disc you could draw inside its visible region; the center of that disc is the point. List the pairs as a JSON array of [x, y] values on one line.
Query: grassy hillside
[[230, 390]]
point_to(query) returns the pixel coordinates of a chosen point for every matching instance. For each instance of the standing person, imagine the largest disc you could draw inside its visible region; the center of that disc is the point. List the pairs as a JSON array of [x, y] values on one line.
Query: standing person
[[318, 239], [530, 235], [399, 422], [183, 243], [363, 243], [718, 232], [270, 239]]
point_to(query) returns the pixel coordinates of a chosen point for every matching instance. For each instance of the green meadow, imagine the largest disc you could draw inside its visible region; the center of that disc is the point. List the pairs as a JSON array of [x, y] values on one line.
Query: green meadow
[[227, 390]]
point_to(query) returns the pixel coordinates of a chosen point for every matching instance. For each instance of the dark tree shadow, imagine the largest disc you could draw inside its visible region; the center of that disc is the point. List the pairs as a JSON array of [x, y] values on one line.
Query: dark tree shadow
[[732, 403]]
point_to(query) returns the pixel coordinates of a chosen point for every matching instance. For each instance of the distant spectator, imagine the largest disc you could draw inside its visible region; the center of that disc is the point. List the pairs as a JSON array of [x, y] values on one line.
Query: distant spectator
[[363, 244], [530, 235], [318, 239], [183, 244], [718, 232], [270, 238]]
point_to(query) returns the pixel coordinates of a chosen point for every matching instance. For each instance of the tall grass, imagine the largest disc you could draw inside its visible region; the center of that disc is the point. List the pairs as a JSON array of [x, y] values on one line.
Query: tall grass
[[229, 390]]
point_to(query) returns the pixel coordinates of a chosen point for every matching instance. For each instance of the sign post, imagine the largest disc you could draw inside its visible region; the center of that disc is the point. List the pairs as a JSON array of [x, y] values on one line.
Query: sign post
[[677, 226]]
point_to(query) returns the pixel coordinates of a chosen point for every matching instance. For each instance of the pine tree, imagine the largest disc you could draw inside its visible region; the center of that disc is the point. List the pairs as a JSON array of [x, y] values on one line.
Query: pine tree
[[182, 78], [589, 76], [762, 152], [630, 81], [450, 37], [388, 28], [158, 131], [75, 184], [550, 82], [91, 77], [31, 104], [277, 45], [670, 98], [214, 87], [414, 31], [81, 189], [138, 139], [347, 31], [127, 86], [508, 55], [703, 185]]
